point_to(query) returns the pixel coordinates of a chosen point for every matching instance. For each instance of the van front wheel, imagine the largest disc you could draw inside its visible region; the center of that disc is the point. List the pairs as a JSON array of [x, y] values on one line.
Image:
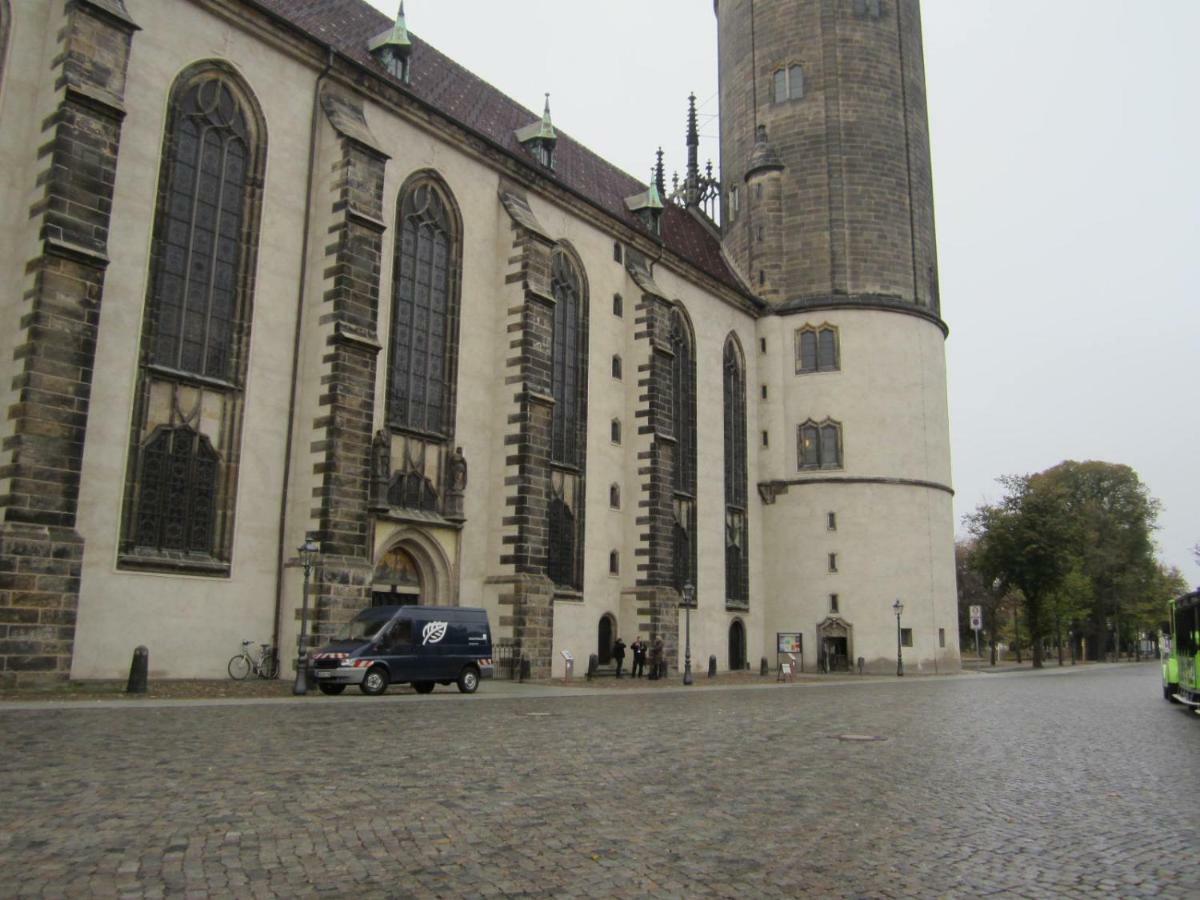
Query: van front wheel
[[375, 682], [468, 680]]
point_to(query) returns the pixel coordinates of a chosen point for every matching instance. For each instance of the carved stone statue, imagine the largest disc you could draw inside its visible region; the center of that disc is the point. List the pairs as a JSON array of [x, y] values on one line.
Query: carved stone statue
[[456, 483], [381, 467], [457, 471]]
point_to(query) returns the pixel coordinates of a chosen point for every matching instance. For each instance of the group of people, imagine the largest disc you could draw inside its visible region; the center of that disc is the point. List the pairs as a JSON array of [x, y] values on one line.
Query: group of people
[[640, 649]]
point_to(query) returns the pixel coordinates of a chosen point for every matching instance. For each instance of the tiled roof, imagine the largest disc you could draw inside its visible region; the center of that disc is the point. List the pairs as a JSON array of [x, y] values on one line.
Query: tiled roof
[[347, 26]]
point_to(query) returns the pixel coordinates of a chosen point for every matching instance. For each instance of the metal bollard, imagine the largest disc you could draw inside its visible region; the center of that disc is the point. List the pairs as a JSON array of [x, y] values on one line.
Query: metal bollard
[[712, 667], [764, 669], [139, 671], [593, 665]]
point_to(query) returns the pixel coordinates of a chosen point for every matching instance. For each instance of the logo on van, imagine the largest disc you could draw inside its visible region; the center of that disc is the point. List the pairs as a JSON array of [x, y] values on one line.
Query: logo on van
[[433, 632]]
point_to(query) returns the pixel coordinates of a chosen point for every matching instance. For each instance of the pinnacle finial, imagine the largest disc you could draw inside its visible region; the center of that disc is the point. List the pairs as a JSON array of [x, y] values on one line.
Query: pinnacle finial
[[660, 180], [692, 181]]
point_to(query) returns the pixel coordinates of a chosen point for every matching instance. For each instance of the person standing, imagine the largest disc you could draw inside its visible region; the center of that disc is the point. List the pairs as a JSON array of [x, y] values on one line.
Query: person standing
[[618, 652], [639, 656], [657, 665]]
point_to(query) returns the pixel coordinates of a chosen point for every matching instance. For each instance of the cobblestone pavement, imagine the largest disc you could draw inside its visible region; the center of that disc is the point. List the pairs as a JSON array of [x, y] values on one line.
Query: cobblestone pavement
[[1054, 784]]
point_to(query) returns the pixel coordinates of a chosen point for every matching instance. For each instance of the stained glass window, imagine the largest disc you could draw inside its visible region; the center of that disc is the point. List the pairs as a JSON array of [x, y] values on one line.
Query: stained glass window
[[736, 573], [567, 362], [178, 487], [424, 312], [200, 234]]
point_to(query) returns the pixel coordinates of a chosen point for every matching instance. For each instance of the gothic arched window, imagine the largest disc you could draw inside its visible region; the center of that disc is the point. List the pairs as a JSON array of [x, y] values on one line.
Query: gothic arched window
[[820, 445], [5, 18], [568, 384], [424, 310], [683, 421], [182, 478], [737, 587]]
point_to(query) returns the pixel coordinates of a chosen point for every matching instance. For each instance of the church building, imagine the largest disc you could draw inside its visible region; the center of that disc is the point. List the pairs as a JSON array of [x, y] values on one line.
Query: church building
[[278, 272]]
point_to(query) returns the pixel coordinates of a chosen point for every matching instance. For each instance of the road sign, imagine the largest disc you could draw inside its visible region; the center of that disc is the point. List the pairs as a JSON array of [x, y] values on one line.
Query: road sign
[[976, 623], [976, 612]]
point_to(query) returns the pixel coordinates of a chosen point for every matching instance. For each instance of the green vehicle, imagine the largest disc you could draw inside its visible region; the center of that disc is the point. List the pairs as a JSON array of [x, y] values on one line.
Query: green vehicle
[[1181, 659]]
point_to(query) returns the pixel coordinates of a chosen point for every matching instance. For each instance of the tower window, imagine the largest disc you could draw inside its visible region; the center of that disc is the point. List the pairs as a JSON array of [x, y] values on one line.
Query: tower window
[[820, 445], [906, 637], [789, 84], [833, 603], [831, 522], [614, 563], [759, 234], [734, 202], [764, 392], [614, 496], [617, 254], [615, 431], [942, 638], [833, 562], [868, 8], [616, 367], [766, 439], [817, 350], [618, 306]]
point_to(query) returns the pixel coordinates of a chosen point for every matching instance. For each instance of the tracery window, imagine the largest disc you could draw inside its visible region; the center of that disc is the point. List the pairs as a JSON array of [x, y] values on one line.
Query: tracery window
[[5, 19], [817, 349], [423, 344], [683, 422], [181, 481], [737, 587], [424, 310], [568, 365], [820, 445]]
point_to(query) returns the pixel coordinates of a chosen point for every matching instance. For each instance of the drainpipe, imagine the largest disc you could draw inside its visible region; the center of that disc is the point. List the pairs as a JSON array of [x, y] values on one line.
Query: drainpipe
[[300, 300]]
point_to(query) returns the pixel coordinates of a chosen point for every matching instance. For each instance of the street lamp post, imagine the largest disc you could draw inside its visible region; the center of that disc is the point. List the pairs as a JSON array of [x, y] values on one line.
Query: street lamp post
[[898, 608], [689, 592], [308, 551]]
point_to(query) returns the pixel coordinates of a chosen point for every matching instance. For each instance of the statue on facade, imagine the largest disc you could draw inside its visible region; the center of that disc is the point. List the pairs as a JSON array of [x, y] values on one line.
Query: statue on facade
[[456, 483], [381, 467]]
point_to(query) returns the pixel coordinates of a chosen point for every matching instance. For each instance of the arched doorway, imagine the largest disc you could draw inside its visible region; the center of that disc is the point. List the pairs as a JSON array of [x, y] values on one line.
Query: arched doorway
[[835, 644], [737, 646], [397, 579], [604, 639]]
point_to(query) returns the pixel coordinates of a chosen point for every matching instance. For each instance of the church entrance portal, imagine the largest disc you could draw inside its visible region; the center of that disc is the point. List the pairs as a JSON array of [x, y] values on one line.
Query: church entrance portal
[[737, 646], [834, 644], [604, 640], [397, 580]]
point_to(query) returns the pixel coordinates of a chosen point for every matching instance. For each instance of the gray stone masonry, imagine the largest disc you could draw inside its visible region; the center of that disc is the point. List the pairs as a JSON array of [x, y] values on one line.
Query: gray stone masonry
[[40, 551]]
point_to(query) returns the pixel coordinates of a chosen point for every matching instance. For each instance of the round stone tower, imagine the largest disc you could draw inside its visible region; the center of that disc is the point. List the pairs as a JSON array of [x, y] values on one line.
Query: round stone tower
[[829, 218]]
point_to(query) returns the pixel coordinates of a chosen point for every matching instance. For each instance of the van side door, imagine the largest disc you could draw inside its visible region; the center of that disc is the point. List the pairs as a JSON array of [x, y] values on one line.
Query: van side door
[[398, 649]]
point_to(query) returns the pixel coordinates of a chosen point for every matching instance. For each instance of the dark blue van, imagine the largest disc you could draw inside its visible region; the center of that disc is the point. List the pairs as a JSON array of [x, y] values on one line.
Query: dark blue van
[[419, 645]]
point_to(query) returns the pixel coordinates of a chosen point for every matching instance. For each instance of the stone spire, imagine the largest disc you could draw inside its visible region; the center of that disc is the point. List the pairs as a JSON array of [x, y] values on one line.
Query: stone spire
[[540, 137], [660, 179], [692, 180]]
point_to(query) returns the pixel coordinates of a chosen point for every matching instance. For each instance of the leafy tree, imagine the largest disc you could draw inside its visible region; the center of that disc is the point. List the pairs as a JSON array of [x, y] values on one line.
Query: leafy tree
[[1115, 517], [1028, 541], [1077, 541]]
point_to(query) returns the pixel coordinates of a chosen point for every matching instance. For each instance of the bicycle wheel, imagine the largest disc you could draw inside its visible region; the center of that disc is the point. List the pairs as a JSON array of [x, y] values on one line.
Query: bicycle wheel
[[269, 667], [239, 667]]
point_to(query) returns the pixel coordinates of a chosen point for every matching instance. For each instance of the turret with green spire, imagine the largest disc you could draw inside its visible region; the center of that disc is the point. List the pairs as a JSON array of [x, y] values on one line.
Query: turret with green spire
[[393, 48]]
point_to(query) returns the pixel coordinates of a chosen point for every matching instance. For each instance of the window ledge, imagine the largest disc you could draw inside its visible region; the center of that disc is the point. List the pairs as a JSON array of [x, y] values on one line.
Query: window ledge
[[173, 563], [568, 595]]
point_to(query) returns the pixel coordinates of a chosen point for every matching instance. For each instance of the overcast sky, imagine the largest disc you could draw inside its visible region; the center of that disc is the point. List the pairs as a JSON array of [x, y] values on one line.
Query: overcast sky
[[1066, 153]]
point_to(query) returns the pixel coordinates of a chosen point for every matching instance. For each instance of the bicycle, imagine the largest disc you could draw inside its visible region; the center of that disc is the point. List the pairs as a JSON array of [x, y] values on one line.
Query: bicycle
[[265, 665]]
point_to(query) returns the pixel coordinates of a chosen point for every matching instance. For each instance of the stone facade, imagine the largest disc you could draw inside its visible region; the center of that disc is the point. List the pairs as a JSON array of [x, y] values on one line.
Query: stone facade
[[310, 446], [40, 549]]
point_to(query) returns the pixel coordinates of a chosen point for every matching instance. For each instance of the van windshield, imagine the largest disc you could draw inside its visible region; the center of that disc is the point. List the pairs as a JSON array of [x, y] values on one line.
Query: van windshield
[[361, 629]]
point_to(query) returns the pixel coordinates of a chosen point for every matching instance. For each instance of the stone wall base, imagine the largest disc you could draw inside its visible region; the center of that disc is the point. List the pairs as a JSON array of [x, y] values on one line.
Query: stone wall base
[[39, 597], [531, 598], [658, 616]]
